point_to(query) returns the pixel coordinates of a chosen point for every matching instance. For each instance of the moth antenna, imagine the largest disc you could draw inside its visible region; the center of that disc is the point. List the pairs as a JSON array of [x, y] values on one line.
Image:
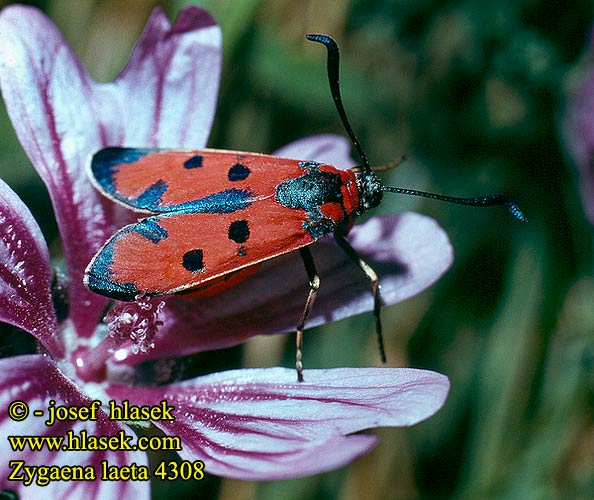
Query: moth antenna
[[481, 201], [390, 165], [333, 79], [382, 168]]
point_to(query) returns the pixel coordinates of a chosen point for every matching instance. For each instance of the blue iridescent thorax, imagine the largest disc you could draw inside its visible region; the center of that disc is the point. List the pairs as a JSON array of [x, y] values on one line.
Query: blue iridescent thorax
[[309, 192]]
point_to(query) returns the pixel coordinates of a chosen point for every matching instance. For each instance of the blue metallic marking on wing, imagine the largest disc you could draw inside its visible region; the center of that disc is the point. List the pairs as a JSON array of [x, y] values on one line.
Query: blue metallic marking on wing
[[104, 162], [98, 283], [308, 164], [149, 228], [151, 198], [98, 278], [223, 202], [104, 168]]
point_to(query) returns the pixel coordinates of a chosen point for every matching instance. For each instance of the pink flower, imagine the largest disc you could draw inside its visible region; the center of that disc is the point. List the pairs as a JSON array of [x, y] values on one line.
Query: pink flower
[[578, 131], [248, 424]]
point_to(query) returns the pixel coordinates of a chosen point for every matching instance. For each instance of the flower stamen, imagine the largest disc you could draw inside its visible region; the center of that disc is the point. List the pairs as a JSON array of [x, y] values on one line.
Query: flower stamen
[[137, 322]]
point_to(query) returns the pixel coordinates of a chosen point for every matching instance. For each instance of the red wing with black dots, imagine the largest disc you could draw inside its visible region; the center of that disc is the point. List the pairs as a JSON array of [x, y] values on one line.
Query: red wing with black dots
[[158, 180], [215, 213]]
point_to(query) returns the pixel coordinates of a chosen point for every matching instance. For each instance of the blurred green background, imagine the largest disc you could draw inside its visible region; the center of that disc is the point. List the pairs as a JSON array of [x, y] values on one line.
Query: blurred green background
[[472, 92]]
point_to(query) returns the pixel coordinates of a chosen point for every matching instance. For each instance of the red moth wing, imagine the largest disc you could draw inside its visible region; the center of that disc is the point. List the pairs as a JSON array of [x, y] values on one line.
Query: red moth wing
[[239, 209], [172, 253], [161, 180]]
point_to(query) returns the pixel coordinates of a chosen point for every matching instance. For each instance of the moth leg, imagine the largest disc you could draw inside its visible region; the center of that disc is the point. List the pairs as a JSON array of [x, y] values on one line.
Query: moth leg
[[314, 286], [375, 287]]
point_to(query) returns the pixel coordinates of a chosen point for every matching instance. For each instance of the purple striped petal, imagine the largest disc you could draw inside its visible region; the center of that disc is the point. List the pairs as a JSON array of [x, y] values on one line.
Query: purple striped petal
[[409, 251], [166, 96], [25, 274], [49, 98], [168, 91], [261, 424], [36, 380]]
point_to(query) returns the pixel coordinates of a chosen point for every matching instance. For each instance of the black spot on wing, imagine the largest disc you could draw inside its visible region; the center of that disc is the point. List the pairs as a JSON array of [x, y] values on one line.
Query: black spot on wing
[[238, 172], [194, 162], [239, 231], [193, 260]]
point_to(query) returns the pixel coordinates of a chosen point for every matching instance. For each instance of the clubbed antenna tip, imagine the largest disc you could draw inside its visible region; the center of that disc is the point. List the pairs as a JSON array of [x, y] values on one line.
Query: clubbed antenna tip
[[514, 209], [481, 201]]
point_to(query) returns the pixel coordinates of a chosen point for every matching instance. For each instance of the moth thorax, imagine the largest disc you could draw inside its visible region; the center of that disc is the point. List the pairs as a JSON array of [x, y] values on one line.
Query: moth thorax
[[370, 191]]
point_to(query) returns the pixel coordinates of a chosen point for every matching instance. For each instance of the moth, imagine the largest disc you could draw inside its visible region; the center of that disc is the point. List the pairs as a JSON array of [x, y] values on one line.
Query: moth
[[214, 215]]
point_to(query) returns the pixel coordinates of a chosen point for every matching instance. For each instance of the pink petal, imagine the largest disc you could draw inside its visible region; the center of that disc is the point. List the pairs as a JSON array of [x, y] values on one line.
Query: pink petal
[[168, 91], [164, 97], [36, 380], [331, 149], [261, 424], [25, 275], [49, 98], [409, 251], [578, 133]]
